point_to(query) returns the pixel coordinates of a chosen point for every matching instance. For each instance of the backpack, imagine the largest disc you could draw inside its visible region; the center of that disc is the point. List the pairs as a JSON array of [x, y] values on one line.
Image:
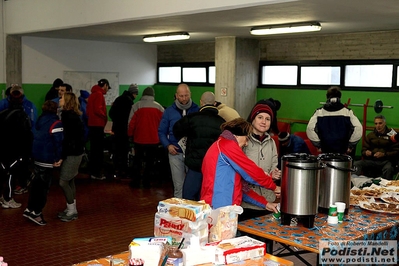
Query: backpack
[[15, 134]]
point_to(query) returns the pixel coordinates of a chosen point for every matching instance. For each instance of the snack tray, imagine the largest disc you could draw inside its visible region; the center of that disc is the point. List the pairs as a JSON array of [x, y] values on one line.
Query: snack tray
[[366, 205], [390, 197]]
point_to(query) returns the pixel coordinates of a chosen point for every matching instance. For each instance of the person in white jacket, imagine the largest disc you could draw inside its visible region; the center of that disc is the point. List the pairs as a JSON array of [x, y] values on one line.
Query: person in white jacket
[[334, 128]]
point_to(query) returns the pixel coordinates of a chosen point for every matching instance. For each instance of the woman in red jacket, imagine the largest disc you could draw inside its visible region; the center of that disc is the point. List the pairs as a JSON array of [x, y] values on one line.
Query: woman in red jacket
[[225, 164]]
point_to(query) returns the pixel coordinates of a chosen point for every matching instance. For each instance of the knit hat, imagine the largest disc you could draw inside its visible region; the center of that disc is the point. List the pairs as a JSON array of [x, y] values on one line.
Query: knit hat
[[283, 136], [133, 89], [149, 91], [261, 108], [84, 94]]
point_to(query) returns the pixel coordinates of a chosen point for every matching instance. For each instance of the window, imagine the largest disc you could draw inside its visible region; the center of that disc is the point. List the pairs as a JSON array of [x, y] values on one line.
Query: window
[[279, 75], [212, 74], [320, 75], [200, 73], [169, 74], [368, 75], [365, 75], [194, 74]]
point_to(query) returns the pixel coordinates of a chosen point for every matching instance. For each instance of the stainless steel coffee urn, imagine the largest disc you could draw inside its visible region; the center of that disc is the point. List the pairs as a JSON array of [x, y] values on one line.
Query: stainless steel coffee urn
[[299, 188], [335, 180]]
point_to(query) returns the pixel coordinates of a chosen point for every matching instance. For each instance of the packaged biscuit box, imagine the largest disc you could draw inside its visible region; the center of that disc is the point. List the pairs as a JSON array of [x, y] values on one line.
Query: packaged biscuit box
[[179, 228], [186, 209], [167, 221], [238, 249]]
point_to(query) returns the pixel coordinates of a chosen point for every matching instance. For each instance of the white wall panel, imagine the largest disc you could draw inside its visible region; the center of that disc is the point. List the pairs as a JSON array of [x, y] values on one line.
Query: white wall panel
[[45, 59]]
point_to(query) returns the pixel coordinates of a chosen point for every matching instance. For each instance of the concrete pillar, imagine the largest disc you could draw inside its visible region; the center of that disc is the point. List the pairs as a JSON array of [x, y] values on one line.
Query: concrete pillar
[[237, 67], [13, 60]]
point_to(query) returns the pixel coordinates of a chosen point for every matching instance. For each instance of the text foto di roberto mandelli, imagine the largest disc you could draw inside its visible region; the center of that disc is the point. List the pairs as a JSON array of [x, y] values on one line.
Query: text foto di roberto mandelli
[[359, 243]]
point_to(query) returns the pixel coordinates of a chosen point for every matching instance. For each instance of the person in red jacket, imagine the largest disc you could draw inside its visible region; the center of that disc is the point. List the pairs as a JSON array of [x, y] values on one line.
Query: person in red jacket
[[145, 115], [97, 119], [225, 165]]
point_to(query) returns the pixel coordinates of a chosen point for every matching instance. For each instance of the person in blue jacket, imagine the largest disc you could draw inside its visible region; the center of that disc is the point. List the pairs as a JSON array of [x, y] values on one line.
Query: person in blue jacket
[[47, 154], [182, 106], [291, 144], [84, 95], [29, 108]]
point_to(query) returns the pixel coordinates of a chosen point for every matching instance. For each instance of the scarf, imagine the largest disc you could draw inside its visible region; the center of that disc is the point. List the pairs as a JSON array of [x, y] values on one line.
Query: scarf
[[184, 107]]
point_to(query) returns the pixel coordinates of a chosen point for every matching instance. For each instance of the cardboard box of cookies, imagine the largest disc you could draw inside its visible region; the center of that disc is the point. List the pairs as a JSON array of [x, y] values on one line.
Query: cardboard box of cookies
[[238, 249], [186, 209]]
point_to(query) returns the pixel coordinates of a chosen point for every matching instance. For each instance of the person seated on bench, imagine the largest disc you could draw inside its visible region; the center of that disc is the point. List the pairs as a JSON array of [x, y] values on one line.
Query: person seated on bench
[[379, 151]]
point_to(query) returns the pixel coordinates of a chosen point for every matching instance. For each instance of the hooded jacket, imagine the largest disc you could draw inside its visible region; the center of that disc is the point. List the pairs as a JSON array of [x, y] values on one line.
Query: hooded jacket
[[223, 168], [201, 129], [47, 142], [263, 154], [96, 108], [169, 118], [29, 108], [119, 112], [334, 128], [146, 117]]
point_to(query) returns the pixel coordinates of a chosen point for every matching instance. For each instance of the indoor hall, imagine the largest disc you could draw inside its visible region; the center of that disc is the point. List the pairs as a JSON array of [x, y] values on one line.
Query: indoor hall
[[111, 214]]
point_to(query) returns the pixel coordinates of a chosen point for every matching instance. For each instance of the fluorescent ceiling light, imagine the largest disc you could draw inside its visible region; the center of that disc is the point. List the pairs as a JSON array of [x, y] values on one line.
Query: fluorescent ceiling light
[[167, 37], [286, 28]]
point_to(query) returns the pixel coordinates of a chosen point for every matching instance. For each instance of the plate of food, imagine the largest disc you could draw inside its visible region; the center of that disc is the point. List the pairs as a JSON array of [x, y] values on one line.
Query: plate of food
[[375, 193], [355, 199], [380, 207], [394, 183], [392, 198]]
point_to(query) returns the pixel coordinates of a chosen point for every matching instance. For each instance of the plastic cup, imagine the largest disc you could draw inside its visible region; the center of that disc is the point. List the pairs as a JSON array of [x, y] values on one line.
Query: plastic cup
[[332, 220], [341, 210], [332, 211], [340, 206]]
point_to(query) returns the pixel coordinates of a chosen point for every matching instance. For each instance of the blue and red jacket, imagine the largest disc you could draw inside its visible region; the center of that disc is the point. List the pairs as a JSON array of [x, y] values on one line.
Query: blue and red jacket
[[223, 168], [48, 138]]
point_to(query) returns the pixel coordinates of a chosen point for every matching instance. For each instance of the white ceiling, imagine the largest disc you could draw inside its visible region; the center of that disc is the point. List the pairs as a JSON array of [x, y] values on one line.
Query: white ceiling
[[335, 16]]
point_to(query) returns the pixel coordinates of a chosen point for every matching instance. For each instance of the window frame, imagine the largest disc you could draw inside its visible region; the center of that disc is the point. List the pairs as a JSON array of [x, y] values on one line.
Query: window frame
[[334, 63]]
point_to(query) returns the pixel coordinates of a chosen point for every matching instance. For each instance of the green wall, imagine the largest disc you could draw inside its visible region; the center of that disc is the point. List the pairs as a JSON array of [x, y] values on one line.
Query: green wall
[[297, 104], [301, 104], [164, 94]]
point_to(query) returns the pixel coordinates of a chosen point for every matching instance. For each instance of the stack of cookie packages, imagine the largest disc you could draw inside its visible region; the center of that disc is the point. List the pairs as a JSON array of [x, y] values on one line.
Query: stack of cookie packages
[[180, 218]]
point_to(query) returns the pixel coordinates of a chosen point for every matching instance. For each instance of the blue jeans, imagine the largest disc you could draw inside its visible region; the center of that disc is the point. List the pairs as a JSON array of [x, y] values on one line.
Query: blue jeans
[[192, 185], [178, 170]]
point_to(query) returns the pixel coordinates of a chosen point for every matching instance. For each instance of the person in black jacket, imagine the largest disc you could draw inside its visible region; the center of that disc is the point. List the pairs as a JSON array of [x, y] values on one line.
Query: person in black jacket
[[201, 129], [72, 152], [53, 91], [119, 113]]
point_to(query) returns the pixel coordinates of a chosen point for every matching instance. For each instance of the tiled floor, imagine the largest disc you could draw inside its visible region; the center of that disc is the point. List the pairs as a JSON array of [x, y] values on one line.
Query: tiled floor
[[111, 214]]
